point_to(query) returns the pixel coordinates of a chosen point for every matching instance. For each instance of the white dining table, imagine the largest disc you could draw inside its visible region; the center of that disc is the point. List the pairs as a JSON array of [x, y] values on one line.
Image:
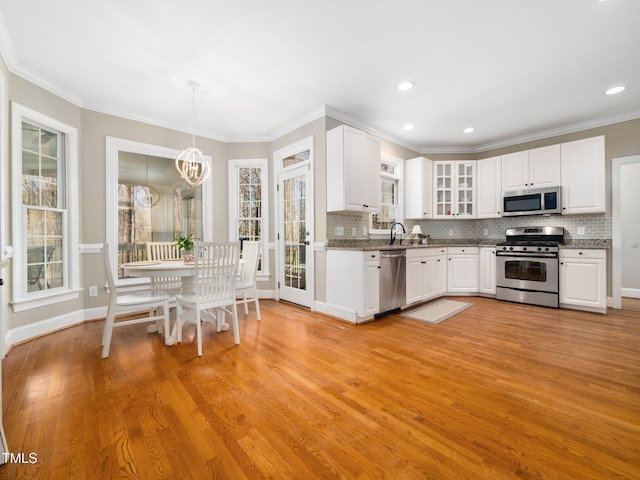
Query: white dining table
[[170, 268]]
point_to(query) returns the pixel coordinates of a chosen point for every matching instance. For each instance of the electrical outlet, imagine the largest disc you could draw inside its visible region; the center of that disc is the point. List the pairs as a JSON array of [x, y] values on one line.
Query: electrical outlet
[[339, 231], [580, 230], [354, 231], [486, 232], [451, 233], [93, 291], [364, 231]]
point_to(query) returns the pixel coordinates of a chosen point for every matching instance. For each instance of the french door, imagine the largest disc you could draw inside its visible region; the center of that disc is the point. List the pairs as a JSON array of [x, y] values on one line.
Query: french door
[[294, 235]]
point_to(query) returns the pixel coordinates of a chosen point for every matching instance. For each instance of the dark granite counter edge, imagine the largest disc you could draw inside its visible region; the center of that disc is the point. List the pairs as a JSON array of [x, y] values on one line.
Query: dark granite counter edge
[[366, 245]]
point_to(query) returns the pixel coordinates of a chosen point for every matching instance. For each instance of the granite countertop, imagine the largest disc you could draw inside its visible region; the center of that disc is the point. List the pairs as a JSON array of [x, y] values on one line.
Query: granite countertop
[[365, 245], [590, 243]]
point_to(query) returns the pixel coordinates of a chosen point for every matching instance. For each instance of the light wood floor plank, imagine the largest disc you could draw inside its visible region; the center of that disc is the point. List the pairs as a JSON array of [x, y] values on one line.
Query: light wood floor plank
[[500, 391]]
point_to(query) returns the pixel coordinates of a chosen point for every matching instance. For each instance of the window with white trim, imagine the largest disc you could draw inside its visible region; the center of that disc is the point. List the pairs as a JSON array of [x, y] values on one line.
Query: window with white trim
[[390, 195], [44, 209], [248, 205]]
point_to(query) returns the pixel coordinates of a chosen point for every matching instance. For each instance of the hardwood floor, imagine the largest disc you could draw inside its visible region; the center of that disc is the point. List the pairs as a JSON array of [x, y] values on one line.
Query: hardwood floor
[[499, 391]]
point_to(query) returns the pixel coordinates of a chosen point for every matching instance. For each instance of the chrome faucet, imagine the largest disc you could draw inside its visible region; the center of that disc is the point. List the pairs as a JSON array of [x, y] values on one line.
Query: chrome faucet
[[393, 234]]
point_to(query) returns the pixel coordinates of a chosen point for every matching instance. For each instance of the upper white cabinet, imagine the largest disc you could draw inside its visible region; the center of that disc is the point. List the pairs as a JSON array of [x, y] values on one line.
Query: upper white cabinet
[[489, 194], [583, 176], [353, 171], [454, 188], [418, 188], [537, 168]]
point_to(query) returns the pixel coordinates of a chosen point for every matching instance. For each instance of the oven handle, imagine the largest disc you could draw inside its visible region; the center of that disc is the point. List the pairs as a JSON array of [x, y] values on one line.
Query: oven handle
[[526, 254]]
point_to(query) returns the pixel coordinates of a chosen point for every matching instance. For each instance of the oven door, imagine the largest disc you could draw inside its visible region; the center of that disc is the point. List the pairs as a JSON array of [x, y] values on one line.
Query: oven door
[[538, 274]]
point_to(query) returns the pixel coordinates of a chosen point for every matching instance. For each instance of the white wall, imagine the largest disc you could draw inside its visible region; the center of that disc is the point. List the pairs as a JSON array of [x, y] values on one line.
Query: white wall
[[630, 234]]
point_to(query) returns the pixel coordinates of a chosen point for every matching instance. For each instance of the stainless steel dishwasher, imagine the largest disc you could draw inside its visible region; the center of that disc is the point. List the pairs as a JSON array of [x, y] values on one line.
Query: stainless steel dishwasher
[[393, 280]]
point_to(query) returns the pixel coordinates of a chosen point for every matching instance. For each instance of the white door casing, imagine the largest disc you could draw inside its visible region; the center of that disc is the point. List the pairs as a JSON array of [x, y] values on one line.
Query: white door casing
[[294, 223], [618, 166]]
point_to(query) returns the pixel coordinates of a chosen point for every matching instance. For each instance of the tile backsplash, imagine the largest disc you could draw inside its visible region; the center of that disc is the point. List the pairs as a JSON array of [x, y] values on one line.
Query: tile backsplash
[[596, 226]]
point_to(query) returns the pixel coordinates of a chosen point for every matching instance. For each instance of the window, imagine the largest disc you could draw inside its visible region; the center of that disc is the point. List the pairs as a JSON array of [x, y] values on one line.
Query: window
[[390, 195], [45, 216], [248, 205]]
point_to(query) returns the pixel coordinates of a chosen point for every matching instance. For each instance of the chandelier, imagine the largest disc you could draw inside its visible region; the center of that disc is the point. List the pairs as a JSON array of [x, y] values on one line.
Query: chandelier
[[191, 164]]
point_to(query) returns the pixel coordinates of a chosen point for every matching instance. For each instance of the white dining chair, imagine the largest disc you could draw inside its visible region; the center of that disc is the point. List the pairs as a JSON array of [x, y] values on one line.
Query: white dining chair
[[162, 251], [158, 251], [246, 285], [154, 304], [216, 267]]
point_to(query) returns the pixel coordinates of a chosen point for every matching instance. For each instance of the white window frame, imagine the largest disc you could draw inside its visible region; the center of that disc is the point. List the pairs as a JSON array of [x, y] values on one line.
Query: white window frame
[[23, 300], [234, 166], [116, 145], [398, 163]]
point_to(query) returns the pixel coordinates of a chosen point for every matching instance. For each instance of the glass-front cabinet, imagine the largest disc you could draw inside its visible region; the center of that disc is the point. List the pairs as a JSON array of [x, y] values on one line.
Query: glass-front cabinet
[[454, 189]]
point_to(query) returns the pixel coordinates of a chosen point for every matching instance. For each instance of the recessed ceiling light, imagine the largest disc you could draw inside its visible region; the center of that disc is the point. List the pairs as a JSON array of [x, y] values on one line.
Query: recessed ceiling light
[[469, 130], [614, 90], [408, 126], [404, 86]]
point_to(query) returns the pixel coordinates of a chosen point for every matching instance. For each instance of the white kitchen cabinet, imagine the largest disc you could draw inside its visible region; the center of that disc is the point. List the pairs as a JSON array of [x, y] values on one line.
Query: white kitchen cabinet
[[583, 279], [583, 176], [418, 188], [441, 259], [422, 275], [489, 187], [537, 168], [353, 284], [463, 269], [488, 270], [454, 189], [353, 171]]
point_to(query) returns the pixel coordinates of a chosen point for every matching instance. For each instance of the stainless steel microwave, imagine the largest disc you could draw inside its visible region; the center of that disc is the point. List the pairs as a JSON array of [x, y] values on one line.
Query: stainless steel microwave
[[537, 201]]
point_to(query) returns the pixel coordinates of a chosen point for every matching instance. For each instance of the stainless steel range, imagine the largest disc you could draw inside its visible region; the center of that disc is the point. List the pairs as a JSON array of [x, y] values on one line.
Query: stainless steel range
[[527, 265]]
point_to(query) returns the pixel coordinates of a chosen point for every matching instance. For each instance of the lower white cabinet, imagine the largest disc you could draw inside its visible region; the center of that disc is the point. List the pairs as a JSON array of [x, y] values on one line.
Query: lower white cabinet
[[441, 259], [353, 284], [463, 269], [583, 279], [422, 275], [488, 270]]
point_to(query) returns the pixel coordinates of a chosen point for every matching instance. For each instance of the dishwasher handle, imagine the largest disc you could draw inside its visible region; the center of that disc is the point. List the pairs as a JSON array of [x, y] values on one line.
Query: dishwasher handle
[[393, 253]]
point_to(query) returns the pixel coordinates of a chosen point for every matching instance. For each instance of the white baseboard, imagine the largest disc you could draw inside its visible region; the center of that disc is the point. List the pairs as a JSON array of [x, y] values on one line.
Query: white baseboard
[[336, 311], [631, 292], [43, 327], [50, 325]]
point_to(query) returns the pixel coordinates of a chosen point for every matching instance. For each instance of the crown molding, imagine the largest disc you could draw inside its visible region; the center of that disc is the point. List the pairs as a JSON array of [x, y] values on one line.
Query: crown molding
[[554, 132], [367, 127]]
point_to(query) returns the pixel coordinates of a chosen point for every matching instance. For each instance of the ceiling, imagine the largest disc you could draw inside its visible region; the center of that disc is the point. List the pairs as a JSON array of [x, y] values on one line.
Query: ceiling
[[514, 70]]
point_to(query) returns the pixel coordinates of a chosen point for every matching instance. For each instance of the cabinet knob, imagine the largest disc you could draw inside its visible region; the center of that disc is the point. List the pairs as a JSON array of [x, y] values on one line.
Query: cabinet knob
[[579, 253], [423, 262]]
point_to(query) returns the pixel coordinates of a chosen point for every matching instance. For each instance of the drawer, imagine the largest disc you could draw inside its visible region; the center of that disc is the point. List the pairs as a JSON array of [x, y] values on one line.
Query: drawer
[[421, 252], [371, 256], [583, 253], [463, 250]]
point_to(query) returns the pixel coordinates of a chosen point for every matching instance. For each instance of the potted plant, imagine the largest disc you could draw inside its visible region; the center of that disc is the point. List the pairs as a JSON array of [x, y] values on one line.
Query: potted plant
[[186, 244], [423, 238]]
